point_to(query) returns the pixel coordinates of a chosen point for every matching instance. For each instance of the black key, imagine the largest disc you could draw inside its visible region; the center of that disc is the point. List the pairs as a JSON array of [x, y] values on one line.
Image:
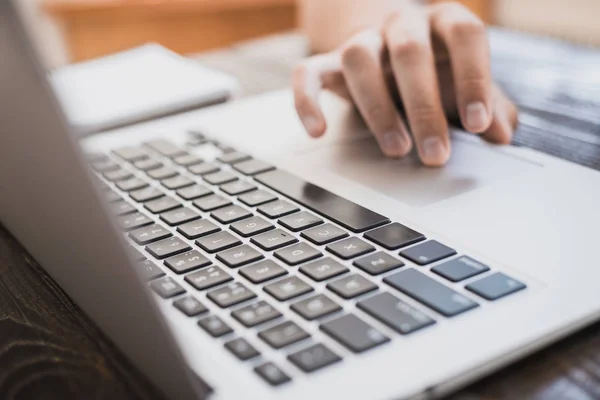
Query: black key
[[148, 164], [241, 349], [251, 226], [323, 269], [162, 173], [131, 184], [207, 278], [105, 166], [262, 271], [165, 148], [167, 287], [179, 216], [212, 202], [257, 198], [253, 167], [297, 254], [146, 194], [339, 210], [219, 178], [187, 160], [148, 270], [218, 242], [288, 288], [314, 358], [283, 335], [198, 228], [354, 333], [273, 240], [350, 248], [239, 256], [378, 263], [118, 175], [495, 286], [460, 269], [237, 187], [255, 314], [428, 252], [112, 197], [214, 326], [315, 307], [230, 214], [131, 153], [300, 221], [230, 295], [187, 262], [193, 192], [162, 205], [149, 234], [272, 374], [135, 253], [430, 292], [177, 182], [277, 209], [394, 236], [233, 157], [204, 168], [398, 315], [324, 234], [122, 208], [190, 306], [351, 286], [167, 247], [133, 221]]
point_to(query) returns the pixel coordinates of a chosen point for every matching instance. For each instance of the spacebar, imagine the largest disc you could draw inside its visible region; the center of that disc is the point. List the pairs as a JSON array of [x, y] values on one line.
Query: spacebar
[[339, 210]]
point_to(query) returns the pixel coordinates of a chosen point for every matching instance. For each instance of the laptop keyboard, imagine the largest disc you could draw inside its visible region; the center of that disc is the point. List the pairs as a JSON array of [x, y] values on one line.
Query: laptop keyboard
[[235, 226]]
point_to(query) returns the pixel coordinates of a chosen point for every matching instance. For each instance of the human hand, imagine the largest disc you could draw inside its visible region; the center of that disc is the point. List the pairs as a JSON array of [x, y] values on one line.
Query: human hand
[[428, 65]]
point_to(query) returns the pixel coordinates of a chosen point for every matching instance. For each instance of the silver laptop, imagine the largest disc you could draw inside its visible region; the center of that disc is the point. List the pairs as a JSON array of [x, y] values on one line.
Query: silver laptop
[[229, 256]]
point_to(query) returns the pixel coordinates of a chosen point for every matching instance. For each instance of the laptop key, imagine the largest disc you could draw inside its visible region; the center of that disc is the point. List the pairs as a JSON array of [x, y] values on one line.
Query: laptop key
[[177, 182], [212, 202], [460, 269], [233, 157], [255, 314], [162, 173], [105, 166], [111, 196], [251, 226], [300, 221], [495, 286], [166, 288], [273, 240], [315, 307], [187, 262], [262, 271], [378, 263], [131, 153], [237, 187], [179, 216], [393, 312], [204, 169], [314, 358], [272, 374], [214, 326], [194, 192], [148, 270], [350, 248], [133, 221], [239, 256], [167, 247], [147, 164], [146, 194], [131, 184], [257, 198], [297, 254], [198, 228], [122, 208], [324, 234], [354, 333], [323, 269], [149, 234], [230, 214], [187, 160], [118, 175], [190, 306], [207, 278], [218, 242], [162, 205], [288, 288], [428, 252], [219, 178], [166, 148], [351, 286], [230, 295], [430, 292], [253, 167], [283, 335], [135, 253], [277, 209], [241, 349]]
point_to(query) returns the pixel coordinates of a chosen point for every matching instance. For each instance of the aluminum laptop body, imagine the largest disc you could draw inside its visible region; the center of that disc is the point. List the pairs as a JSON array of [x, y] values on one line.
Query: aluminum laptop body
[[518, 212]]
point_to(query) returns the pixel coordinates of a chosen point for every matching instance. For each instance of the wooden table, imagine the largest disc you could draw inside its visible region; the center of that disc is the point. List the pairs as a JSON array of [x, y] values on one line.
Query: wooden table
[[50, 350]]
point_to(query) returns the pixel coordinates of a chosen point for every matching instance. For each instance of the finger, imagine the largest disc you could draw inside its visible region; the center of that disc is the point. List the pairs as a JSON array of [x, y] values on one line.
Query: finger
[[362, 69], [336, 83], [413, 64], [464, 35], [505, 119], [307, 84]]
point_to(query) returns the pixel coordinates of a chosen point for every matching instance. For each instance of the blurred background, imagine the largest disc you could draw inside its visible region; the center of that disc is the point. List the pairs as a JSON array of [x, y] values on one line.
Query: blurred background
[[75, 30]]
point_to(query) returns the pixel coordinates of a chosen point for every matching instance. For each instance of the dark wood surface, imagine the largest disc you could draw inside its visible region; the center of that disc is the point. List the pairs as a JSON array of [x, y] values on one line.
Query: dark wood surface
[[50, 350]]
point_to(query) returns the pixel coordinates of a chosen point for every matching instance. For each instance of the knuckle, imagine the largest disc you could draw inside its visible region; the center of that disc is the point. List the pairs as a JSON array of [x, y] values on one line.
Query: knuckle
[[473, 84], [408, 50], [466, 28], [354, 56], [425, 118], [451, 7]]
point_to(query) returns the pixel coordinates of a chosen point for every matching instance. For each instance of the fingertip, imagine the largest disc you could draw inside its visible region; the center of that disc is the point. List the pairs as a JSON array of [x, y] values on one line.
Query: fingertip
[[314, 126], [434, 152], [477, 117]]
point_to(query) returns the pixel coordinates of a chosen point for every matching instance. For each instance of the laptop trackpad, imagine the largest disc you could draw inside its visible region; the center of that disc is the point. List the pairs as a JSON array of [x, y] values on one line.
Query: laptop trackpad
[[473, 165]]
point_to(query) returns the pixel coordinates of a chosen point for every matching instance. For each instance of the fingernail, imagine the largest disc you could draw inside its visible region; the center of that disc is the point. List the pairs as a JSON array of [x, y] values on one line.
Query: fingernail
[[311, 124], [394, 144], [477, 117], [434, 151]]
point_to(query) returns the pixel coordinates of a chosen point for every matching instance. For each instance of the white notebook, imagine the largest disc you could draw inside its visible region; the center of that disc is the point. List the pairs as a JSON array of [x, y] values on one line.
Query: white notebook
[[136, 85]]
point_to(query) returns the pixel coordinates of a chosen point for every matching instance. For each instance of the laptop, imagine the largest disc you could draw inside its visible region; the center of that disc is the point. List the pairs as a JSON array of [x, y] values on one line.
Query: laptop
[[229, 256]]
